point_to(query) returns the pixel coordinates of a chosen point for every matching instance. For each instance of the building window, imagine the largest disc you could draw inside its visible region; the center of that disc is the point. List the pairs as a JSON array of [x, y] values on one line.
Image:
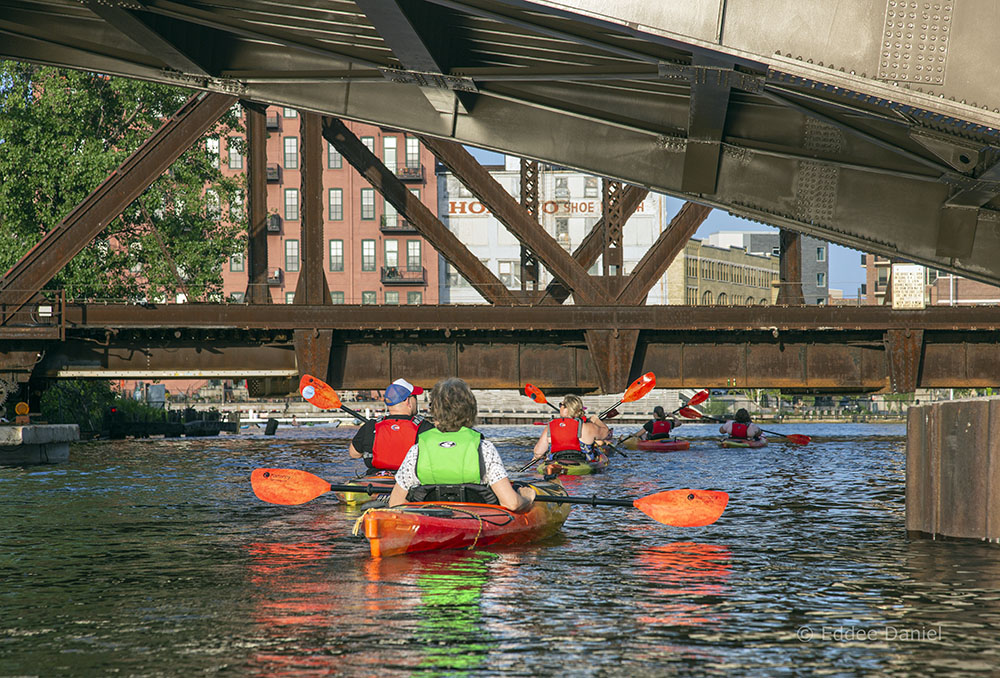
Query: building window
[[291, 255], [236, 205], [414, 298], [706, 299], [290, 113], [389, 153], [821, 302], [562, 188], [291, 152], [289, 297], [334, 160], [821, 279], [235, 155], [562, 229], [590, 187], [368, 298], [369, 143], [336, 255], [413, 262], [213, 151], [238, 297], [291, 204], [392, 298], [236, 263], [368, 256], [213, 206], [723, 299], [391, 252], [820, 254], [390, 215], [336, 203], [412, 152], [509, 273], [336, 298], [368, 204]]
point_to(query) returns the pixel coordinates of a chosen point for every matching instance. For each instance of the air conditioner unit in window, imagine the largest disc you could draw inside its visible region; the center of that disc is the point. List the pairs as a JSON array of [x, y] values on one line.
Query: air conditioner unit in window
[[273, 223]]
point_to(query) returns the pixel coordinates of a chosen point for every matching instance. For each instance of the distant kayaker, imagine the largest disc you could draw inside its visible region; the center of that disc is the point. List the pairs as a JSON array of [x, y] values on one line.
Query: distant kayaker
[[741, 427], [571, 431], [383, 444], [659, 427], [453, 462]]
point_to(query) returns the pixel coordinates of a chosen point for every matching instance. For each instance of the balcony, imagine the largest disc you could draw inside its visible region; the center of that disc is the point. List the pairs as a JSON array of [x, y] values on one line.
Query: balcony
[[275, 276], [396, 275], [396, 224], [273, 173], [405, 173]]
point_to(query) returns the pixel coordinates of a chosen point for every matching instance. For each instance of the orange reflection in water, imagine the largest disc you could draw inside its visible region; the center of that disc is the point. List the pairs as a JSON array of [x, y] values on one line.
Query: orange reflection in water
[[684, 573]]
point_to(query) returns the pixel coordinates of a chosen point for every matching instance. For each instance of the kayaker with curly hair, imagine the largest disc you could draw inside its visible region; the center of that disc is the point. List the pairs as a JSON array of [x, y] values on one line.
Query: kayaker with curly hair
[[452, 461], [571, 431], [741, 427], [659, 427]]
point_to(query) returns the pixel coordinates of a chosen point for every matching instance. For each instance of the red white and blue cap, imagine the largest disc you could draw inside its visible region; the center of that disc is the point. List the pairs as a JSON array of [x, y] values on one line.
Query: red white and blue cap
[[399, 391]]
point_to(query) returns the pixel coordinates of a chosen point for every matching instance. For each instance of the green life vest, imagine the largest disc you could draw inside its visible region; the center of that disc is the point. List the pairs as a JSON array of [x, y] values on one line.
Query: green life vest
[[449, 458]]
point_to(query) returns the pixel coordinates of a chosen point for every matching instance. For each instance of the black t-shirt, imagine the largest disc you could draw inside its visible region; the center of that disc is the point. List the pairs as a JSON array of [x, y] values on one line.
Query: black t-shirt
[[364, 439]]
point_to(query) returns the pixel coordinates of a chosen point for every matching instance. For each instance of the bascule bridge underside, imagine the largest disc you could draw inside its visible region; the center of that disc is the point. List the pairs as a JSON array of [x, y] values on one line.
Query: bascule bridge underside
[[870, 123]]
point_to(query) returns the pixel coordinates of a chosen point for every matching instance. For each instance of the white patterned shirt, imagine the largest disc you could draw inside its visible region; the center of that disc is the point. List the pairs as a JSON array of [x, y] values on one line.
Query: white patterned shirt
[[406, 476]]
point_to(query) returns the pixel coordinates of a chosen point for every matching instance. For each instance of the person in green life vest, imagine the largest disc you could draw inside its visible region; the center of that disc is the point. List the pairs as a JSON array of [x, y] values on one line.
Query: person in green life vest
[[453, 456]]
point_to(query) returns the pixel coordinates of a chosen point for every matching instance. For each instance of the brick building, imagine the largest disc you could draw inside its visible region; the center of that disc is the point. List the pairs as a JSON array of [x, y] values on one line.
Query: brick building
[[940, 288], [372, 255]]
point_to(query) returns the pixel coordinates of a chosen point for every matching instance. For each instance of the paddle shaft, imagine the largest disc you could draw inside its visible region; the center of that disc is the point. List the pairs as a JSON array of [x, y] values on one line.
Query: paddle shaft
[[551, 498], [763, 430], [357, 415]]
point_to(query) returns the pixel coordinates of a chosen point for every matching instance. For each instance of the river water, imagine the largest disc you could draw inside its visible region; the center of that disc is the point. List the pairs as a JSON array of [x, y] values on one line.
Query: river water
[[154, 558]]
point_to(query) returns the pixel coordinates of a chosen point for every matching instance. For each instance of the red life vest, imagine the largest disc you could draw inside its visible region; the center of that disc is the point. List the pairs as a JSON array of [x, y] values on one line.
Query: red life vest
[[661, 426], [393, 439], [739, 430], [564, 434]]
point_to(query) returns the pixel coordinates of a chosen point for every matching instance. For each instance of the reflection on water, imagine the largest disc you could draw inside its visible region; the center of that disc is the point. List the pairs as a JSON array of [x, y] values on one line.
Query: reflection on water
[[155, 558]]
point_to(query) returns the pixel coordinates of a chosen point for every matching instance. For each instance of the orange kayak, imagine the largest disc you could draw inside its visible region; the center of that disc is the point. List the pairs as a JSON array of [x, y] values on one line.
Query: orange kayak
[[429, 526]]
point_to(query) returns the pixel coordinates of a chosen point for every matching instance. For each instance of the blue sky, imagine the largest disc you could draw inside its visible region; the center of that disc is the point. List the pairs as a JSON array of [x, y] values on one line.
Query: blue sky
[[846, 272]]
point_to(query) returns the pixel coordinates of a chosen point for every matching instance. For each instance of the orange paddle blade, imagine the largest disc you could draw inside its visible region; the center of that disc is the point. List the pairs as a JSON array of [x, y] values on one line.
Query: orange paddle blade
[[319, 393], [684, 508], [639, 387], [287, 486], [798, 439], [689, 413], [698, 398], [535, 393]]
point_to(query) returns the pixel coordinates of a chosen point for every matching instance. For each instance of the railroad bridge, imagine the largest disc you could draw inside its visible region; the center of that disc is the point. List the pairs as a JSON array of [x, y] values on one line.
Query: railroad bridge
[[868, 123]]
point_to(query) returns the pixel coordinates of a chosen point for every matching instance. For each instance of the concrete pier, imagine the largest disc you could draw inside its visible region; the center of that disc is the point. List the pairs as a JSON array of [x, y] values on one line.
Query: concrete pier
[[41, 444], [953, 469]]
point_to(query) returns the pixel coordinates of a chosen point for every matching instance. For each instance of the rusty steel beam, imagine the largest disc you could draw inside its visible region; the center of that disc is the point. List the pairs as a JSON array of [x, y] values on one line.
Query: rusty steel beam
[[116, 192], [257, 289], [312, 288], [611, 259], [904, 348], [790, 269], [312, 352], [613, 354], [586, 253], [710, 88], [772, 319], [437, 234], [668, 245], [529, 201], [508, 212]]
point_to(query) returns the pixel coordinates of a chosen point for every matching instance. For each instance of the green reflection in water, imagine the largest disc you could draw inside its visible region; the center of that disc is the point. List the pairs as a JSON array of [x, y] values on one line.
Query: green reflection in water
[[450, 623]]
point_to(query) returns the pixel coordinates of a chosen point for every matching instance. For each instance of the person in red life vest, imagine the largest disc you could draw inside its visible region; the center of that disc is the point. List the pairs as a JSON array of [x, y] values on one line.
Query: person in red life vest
[[453, 461], [659, 427], [382, 444], [571, 431], [741, 427]]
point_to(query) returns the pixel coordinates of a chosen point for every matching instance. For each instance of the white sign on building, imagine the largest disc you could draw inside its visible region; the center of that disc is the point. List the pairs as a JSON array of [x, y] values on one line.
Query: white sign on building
[[907, 286]]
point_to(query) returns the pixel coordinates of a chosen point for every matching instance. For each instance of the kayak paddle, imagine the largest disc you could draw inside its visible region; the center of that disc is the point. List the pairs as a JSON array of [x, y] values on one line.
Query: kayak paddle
[[536, 394], [636, 390], [680, 508], [796, 438], [322, 395]]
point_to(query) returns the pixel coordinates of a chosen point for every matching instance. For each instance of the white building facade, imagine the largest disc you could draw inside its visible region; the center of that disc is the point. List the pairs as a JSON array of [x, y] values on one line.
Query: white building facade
[[569, 204]]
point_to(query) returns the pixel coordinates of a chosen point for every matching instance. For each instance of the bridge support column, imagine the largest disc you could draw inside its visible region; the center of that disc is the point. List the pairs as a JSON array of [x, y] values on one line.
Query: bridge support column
[[312, 352], [953, 469], [613, 352]]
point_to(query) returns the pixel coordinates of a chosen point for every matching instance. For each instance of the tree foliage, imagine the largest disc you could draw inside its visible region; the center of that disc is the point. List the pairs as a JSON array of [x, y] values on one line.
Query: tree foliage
[[62, 133]]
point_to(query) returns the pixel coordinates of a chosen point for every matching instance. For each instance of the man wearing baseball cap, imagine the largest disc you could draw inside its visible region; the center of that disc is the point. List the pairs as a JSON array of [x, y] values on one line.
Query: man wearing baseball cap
[[383, 444]]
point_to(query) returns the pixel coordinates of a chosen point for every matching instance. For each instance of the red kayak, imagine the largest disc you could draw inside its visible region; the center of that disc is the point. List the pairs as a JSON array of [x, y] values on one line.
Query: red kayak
[[428, 526], [665, 445]]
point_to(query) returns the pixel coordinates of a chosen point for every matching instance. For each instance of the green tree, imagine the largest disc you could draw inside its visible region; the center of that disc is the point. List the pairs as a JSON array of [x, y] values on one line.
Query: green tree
[[61, 133]]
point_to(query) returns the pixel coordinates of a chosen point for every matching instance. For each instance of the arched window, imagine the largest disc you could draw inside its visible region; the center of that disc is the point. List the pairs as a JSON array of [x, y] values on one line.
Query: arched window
[[763, 302], [749, 301], [706, 299], [723, 299]]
